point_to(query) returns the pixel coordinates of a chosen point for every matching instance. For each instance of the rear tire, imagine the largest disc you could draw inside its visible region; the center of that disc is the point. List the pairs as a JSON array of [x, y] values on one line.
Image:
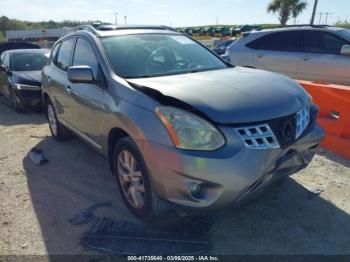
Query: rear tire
[[150, 206], [58, 131]]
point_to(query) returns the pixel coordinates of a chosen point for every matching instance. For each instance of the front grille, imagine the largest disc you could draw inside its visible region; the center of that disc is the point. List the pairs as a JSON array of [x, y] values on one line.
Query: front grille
[[276, 133], [303, 120], [258, 136]]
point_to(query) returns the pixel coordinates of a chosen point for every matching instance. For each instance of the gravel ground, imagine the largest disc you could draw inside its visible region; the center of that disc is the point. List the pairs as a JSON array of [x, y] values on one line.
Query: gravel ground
[[308, 214]]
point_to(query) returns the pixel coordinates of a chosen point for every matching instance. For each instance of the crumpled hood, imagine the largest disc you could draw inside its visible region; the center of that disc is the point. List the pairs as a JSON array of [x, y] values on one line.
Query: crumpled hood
[[234, 95], [27, 77]]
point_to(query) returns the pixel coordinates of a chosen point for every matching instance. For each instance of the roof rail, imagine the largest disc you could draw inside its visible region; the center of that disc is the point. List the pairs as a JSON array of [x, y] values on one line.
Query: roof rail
[[95, 28], [89, 28], [126, 27], [98, 28], [299, 25]]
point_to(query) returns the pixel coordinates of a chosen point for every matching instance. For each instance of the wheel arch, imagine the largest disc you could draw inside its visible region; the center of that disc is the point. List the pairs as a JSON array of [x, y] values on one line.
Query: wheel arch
[[114, 135], [46, 98]]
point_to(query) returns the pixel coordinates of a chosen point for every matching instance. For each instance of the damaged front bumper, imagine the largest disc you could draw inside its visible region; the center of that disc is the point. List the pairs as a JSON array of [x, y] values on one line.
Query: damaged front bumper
[[232, 174]]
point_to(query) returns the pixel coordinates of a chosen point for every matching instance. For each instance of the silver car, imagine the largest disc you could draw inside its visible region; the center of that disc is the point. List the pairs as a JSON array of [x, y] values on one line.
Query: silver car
[[180, 127], [315, 53]]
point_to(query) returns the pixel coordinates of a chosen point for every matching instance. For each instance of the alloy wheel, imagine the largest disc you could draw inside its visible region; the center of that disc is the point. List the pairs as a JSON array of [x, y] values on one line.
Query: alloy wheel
[[130, 178]]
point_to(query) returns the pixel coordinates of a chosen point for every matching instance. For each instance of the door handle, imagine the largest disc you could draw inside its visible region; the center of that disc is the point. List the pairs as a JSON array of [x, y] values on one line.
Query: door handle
[[68, 89], [306, 58], [260, 55]]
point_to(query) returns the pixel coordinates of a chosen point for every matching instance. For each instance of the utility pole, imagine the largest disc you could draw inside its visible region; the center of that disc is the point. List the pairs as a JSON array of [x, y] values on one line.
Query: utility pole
[[125, 17], [327, 16], [217, 20], [319, 21], [314, 12], [116, 18]]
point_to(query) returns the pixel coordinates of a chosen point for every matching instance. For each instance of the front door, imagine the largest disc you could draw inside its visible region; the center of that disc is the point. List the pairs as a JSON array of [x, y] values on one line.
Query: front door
[[86, 108], [322, 61]]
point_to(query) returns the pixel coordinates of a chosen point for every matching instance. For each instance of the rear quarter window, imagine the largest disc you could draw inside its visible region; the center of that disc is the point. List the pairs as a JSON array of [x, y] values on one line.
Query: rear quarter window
[[55, 51]]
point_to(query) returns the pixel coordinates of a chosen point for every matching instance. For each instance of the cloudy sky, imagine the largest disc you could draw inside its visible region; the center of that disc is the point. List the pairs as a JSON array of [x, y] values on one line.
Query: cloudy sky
[[165, 12]]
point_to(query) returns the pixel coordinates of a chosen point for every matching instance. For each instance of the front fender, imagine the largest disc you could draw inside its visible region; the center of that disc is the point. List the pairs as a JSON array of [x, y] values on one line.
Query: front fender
[[139, 123]]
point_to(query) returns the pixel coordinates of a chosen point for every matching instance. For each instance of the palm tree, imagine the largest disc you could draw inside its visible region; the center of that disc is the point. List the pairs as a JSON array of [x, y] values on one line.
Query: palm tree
[[286, 8]]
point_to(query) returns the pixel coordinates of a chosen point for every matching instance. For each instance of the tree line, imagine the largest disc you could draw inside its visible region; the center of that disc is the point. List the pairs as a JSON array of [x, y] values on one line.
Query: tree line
[[15, 24]]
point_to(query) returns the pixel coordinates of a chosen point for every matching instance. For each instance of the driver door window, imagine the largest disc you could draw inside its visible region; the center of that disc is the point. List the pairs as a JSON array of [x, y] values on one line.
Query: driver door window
[[321, 42], [321, 59], [84, 55]]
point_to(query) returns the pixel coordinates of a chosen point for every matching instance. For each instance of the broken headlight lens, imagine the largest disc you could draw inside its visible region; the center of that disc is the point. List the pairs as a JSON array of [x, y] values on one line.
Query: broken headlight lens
[[188, 131]]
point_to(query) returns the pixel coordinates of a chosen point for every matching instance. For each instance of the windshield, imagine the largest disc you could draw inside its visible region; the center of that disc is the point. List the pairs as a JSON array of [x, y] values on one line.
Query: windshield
[[345, 34], [147, 55], [28, 61]]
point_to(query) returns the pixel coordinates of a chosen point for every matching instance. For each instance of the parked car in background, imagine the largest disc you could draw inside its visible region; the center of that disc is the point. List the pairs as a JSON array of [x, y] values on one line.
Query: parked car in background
[[316, 53], [179, 126], [220, 49], [17, 45], [20, 77]]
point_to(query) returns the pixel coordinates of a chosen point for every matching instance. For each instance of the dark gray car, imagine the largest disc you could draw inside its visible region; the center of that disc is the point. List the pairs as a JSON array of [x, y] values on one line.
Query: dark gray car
[[179, 126], [20, 77]]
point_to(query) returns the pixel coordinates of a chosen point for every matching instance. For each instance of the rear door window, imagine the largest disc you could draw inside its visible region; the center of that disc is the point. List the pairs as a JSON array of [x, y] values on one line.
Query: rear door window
[[323, 42], [54, 52], [7, 60], [279, 41], [65, 53], [84, 55]]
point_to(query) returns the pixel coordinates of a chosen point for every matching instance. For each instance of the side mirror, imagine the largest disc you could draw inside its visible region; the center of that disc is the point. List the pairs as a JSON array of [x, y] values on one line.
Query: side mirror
[[80, 74], [3, 68], [345, 50]]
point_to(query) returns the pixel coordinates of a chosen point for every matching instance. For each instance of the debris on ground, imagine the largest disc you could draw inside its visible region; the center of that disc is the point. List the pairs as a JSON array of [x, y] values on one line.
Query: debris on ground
[[88, 215], [37, 157], [126, 238]]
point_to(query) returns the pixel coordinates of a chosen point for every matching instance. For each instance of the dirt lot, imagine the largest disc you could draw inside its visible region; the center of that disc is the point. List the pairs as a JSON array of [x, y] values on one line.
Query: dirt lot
[[309, 214]]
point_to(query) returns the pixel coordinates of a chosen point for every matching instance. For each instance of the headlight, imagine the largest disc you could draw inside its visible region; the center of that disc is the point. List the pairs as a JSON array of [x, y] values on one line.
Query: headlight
[[27, 87], [188, 131]]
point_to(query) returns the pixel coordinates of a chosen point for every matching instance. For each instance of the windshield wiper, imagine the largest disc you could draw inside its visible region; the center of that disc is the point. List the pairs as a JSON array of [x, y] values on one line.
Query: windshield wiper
[[140, 76]]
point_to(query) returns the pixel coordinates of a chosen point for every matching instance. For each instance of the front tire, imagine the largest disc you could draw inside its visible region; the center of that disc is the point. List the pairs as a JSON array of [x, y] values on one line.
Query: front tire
[[135, 183], [58, 131], [16, 104]]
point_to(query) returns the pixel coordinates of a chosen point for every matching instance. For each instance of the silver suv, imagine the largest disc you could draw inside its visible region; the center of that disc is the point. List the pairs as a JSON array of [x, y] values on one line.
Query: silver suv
[[179, 126], [316, 53]]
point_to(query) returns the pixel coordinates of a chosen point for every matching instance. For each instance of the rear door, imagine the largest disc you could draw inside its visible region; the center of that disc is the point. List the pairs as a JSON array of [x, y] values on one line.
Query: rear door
[[321, 59], [278, 52], [58, 79], [85, 106]]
